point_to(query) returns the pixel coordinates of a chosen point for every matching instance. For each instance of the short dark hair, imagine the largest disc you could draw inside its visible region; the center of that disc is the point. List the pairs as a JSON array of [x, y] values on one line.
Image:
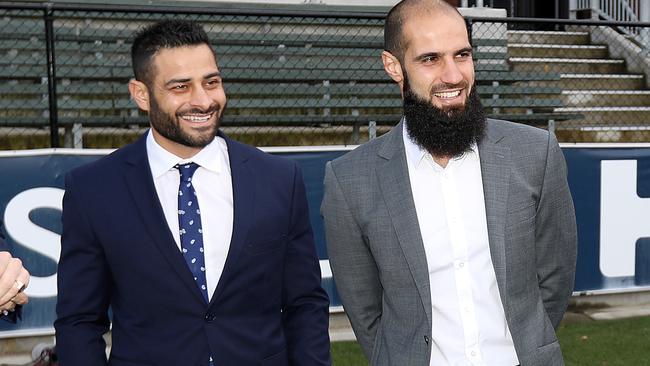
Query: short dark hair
[[394, 41], [163, 34]]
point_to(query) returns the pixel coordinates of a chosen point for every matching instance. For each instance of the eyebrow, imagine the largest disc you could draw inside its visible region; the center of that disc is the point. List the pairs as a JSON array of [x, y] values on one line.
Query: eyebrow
[[180, 81], [438, 54], [211, 75], [465, 49]]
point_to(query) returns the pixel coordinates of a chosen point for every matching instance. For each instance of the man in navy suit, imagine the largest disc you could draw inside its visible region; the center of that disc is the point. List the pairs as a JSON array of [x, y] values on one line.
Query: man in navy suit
[[13, 280], [250, 295]]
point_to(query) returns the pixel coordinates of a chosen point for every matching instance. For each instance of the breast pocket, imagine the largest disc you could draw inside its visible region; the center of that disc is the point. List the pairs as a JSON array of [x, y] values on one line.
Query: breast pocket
[[265, 246]]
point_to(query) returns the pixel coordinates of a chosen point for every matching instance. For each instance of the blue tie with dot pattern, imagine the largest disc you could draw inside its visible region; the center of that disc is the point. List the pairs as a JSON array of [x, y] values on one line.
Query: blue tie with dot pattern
[[189, 225]]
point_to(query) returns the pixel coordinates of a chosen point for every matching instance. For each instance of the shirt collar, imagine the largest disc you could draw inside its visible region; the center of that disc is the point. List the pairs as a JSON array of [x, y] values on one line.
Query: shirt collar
[[416, 154], [161, 161]]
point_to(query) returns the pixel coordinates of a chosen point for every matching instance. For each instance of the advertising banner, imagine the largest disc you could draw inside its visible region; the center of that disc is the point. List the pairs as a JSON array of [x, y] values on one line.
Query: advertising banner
[[610, 186]]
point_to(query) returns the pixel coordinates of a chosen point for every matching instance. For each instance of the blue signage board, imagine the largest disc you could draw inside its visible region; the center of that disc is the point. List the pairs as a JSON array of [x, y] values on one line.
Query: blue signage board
[[611, 193], [610, 187]]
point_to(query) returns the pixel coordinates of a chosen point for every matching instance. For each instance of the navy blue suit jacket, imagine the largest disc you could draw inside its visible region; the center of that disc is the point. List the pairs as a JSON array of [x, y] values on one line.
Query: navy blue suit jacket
[[117, 250]]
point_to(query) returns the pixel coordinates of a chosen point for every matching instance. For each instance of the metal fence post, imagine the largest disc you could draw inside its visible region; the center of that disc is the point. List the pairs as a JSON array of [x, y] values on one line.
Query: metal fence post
[[551, 126], [372, 130], [51, 74], [644, 16], [355, 132], [595, 9]]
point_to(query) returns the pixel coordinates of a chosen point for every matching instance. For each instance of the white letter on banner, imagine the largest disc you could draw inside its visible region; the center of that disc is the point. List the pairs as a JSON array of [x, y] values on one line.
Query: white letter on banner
[[34, 237], [325, 269], [623, 217]]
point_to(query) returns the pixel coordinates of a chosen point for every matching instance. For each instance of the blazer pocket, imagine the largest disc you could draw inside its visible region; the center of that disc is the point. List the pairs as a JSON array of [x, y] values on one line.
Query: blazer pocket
[[266, 246], [550, 354], [278, 359]]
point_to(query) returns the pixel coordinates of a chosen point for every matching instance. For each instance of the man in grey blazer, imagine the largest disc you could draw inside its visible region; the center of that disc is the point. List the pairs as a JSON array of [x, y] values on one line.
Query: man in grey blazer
[[452, 238]]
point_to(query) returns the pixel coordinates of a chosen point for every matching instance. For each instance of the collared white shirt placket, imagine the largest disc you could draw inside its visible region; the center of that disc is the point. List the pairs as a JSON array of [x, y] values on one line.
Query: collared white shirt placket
[[461, 263]]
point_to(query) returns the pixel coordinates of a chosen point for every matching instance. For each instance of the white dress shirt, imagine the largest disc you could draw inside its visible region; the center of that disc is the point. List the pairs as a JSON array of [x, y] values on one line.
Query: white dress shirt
[[213, 185], [469, 325]]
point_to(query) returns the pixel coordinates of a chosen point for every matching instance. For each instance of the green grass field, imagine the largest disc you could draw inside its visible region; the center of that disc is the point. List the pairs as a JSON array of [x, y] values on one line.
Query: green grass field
[[603, 343]]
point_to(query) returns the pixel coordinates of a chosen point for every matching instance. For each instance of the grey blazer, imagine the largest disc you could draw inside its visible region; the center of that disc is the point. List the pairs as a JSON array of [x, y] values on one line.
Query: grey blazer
[[378, 259]]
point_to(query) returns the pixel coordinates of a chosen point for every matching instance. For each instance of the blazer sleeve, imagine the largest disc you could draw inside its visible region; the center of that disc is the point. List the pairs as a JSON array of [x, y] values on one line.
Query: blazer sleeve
[[555, 236], [83, 286], [353, 266], [305, 311]]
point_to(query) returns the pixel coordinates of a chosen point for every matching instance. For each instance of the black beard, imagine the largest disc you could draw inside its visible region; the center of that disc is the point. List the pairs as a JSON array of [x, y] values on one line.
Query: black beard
[[169, 125], [443, 133]]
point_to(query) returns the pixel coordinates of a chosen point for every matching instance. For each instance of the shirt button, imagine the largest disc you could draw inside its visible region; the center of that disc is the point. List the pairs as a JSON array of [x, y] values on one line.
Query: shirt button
[[461, 264], [473, 353]]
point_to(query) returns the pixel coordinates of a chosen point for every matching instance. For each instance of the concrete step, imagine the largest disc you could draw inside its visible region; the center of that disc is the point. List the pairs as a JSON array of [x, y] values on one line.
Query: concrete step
[[567, 65], [608, 116], [12, 360], [602, 98], [548, 37], [571, 81], [557, 50]]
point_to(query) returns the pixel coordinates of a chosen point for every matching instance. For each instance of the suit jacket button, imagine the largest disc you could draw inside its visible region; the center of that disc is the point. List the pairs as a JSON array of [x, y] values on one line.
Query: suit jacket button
[[210, 317]]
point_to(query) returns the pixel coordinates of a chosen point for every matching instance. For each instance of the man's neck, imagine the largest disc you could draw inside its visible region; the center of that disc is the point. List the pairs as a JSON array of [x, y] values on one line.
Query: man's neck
[[441, 160]]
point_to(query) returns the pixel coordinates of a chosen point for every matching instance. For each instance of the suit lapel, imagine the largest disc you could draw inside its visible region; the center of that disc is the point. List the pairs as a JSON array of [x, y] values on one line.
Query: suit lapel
[[495, 170], [143, 192], [243, 192], [392, 172]]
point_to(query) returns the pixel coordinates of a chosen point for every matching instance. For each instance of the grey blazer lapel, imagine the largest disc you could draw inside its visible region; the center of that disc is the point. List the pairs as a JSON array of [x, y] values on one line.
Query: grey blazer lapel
[[394, 182], [495, 170]]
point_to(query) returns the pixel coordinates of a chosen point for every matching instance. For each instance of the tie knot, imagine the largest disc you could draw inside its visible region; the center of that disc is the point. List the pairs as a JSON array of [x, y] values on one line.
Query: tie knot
[[187, 170]]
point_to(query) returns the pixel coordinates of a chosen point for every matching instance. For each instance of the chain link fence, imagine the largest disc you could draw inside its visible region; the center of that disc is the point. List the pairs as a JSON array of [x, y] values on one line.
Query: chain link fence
[[308, 78]]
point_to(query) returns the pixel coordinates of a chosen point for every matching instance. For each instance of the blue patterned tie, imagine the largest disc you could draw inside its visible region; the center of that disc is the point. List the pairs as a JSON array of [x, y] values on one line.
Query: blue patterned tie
[[190, 229], [189, 225]]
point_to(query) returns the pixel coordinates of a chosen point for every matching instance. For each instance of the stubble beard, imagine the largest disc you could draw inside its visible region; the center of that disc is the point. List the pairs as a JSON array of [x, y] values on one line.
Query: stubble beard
[[169, 126]]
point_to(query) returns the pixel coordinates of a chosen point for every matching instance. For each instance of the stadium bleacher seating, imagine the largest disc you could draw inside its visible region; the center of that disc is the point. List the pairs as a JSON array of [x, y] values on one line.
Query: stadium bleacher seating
[[278, 71]]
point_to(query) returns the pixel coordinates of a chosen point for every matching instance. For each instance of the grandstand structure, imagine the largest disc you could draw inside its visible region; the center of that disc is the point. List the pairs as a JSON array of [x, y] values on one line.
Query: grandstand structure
[[297, 76]]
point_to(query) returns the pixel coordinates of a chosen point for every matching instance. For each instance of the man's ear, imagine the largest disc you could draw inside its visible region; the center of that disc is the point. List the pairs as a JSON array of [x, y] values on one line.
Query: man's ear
[[392, 67], [139, 94]]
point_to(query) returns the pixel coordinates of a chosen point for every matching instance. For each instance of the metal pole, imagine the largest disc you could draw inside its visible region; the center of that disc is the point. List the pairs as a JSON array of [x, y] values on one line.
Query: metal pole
[[644, 11], [573, 9], [372, 130], [51, 75], [594, 7], [644, 16]]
